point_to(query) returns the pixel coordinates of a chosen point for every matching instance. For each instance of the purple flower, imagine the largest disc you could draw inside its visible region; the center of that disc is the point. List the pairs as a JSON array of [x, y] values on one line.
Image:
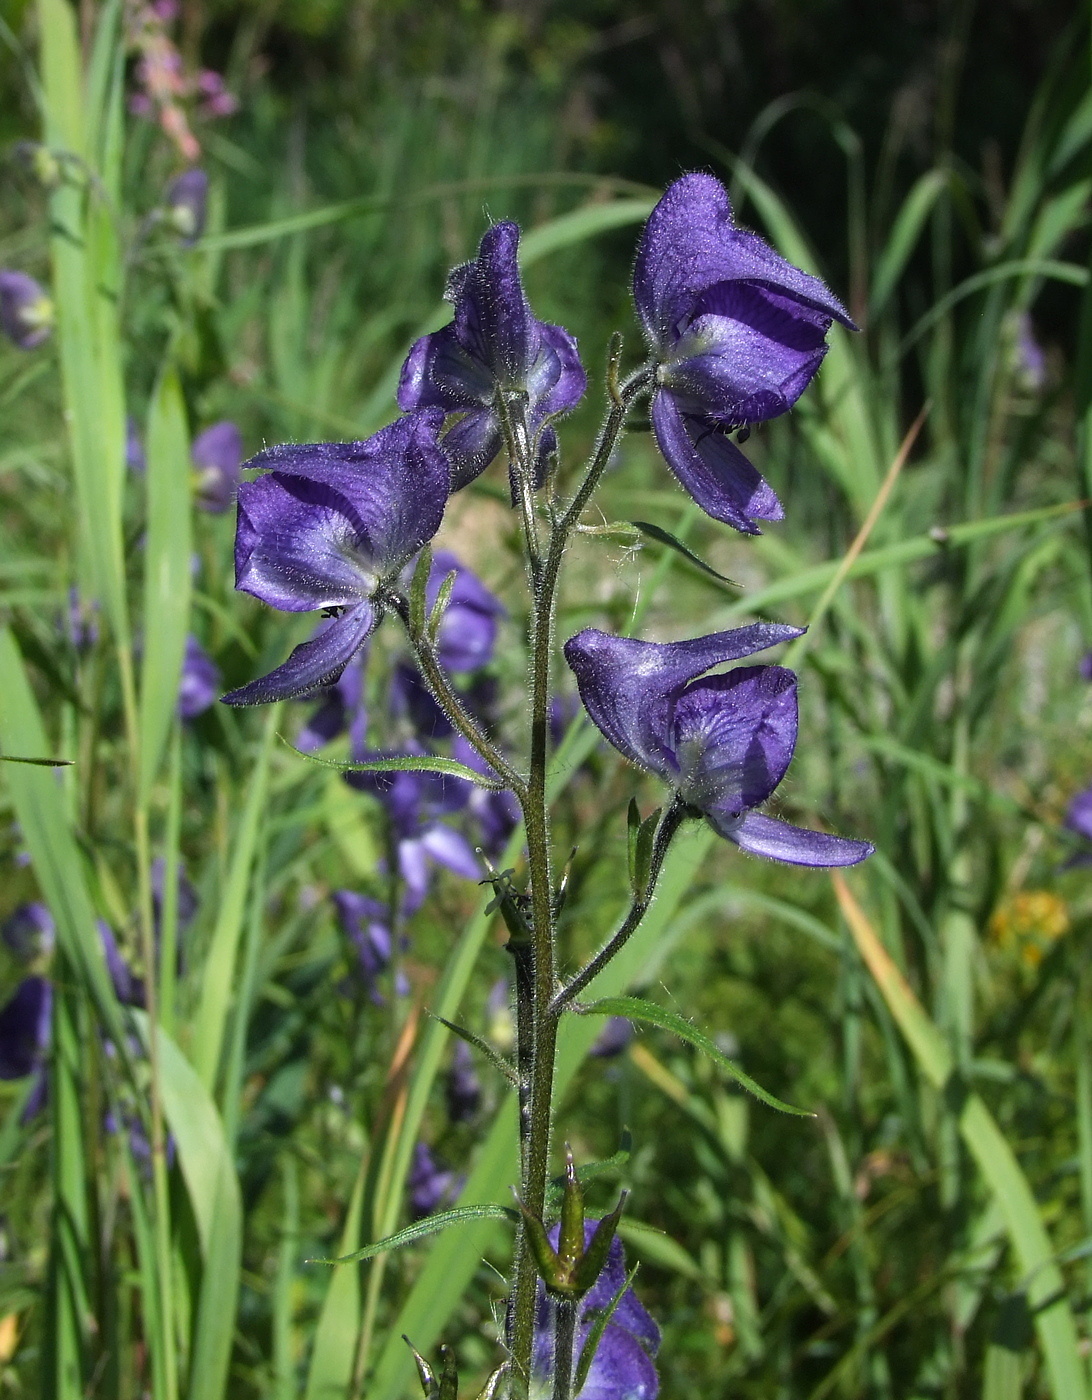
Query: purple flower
[[217, 453], [365, 922], [623, 1366], [1085, 666], [463, 1089], [738, 333], [468, 629], [24, 1028], [430, 1184], [494, 346], [186, 205], [200, 680], [187, 895], [496, 813], [1078, 819], [128, 987], [410, 699], [341, 707], [415, 802], [26, 310], [30, 931], [723, 742], [81, 622], [134, 448], [330, 527]]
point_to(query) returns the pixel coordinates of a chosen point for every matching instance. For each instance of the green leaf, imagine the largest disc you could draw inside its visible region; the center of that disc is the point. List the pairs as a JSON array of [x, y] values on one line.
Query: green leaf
[[38, 762], [334, 1349], [404, 763], [665, 537], [167, 571], [436, 616], [637, 1009], [599, 1326], [213, 1189], [421, 1229], [491, 1053]]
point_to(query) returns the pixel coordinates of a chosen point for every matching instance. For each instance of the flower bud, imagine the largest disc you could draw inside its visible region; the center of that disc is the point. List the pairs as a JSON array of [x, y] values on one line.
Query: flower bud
[[185, 205]]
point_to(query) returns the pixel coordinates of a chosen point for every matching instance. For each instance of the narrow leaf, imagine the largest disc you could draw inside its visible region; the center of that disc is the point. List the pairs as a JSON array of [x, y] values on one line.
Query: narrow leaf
[[646, 839], [665, 537], [491, 1053], [404, 763], [38, 762], [418, 587], [421, 1229], [599, 1326], [436, 616], [637, 1009]]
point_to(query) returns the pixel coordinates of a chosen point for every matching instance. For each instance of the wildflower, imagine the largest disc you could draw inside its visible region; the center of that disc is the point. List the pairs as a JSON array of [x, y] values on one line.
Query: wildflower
[[623, 1366], [341, 708], [24, 1028], [494, 347], [366, 924], [468, 629], [330, 527], [217, 454], [430, 1184], [414, 803], [1030, 922], [128, 987], [737, 333], [613, 1039], [185, 205], [30, 931], [1078, 820], [199, 682], [723, 742], [135, 459], [26, 310], [463, 1089]]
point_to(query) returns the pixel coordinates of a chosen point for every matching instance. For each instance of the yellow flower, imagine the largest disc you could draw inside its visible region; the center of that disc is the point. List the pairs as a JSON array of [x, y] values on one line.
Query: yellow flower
[[1029, 923]]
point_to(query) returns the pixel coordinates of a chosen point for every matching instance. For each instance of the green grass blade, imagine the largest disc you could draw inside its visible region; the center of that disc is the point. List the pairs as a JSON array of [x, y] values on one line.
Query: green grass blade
[[167, 572], [334, 1350], [1046, 1289], [218, 976]]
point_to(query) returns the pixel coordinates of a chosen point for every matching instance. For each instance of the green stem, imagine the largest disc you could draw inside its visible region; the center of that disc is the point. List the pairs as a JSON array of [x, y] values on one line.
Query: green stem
[[564, 1340], [536, 1156]]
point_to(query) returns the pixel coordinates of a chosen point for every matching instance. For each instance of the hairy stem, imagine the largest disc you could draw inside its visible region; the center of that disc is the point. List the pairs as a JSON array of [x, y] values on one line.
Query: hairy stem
[[670, 822], [564, 1341], [536, 1148]]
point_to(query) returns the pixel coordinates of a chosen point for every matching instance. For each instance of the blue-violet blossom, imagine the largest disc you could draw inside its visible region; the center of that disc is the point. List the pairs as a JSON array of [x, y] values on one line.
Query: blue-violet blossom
[[26, 310], [185, 205], [623, 1365], [737, 333], [328, 527], [217, 455], [494, 346], [724, 742]]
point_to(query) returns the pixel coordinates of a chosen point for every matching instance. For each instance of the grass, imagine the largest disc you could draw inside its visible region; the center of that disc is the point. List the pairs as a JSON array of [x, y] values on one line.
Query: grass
[[928, 1233]]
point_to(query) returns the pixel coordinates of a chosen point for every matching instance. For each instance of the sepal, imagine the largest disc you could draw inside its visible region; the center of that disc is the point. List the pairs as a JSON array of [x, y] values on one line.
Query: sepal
[[570, 1241], [595, 1256]]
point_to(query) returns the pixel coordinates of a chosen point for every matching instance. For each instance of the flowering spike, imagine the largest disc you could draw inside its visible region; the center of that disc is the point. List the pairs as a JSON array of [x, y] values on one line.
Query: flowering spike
[[571, 1239]]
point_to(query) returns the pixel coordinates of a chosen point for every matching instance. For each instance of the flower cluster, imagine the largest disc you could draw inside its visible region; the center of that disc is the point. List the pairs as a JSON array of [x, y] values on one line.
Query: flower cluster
[[164, 89], [735, 335]]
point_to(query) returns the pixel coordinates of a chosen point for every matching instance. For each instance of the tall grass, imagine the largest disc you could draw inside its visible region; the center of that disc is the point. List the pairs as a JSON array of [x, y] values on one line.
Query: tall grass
[[929, 1233]]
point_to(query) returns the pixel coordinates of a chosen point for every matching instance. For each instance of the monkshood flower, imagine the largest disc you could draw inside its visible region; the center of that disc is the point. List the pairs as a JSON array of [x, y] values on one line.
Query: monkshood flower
[[341, 708], [414, 803], [30, 931], [24, 1028], [217, 454], [366, 923], [128, 987], [199, 682], [495, 346], [737, 333], [1078, 820], [430, 1184], [330, 527], [185, 205], [724, 742], [26, 310], [623, 1367]]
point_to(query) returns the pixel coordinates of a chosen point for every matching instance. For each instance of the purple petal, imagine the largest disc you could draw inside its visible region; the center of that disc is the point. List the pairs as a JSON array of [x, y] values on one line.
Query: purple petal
[[567, 384], [26, 311], [313, 664], [199, 682], [30, 931], [410, 698], [1079, 816], [794, 845], [335, 518], [463, 1089], [468, 630], [128, 988], [629, 686], [613, 1038], [450, 849], [621, 1369], [493, 318], [691, 243], [217, 454], [471, 443], [186, 202], [747, 356], [712, 468], [24, 1028], [734, 737], [441, 372]]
